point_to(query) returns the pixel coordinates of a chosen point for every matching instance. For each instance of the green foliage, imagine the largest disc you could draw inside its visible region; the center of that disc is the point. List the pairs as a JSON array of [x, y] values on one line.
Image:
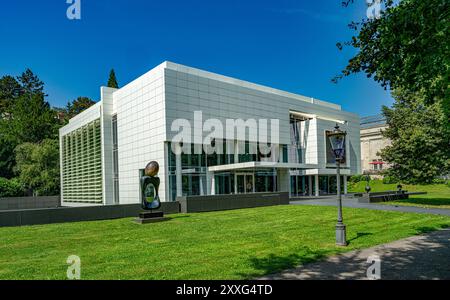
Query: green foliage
[[77, 106], [439, 181], [112, 81], [38, 166], [406, 48], [390, 180], [7, 160], [420, 144], [30, 83], [32, 121], [25, 116], [10, 188], [357, 178], [9, 91]]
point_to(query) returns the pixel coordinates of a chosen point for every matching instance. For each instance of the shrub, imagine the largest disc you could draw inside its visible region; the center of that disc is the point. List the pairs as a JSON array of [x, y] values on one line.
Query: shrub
[[10, 188], [390, 180], [439, 181], [357, 178]]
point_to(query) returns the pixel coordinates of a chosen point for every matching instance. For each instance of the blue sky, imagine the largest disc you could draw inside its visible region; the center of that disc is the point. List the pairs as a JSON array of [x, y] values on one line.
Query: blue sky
[[285, 44]]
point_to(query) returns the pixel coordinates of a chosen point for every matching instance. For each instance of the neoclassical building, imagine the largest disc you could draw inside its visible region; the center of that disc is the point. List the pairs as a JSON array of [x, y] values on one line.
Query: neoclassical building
[[372, 142]]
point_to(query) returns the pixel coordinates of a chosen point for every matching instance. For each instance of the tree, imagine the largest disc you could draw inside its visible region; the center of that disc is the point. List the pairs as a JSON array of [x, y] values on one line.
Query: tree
[[112, 81], [26, 116], [30, 83], [77, 106], [407, 48], [10, 188], [38, 167], [32, 121], [407, 51], [7, 161], [419, 150], [9, 91]]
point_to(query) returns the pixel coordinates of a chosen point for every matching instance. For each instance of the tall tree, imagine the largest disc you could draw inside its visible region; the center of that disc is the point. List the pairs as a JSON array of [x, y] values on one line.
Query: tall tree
[[38, 167], [32, 121], [419, 149], [407, 51], [7, 161], [10, 89], [78, 105], [407, 47], [112, 81], [31, 84]]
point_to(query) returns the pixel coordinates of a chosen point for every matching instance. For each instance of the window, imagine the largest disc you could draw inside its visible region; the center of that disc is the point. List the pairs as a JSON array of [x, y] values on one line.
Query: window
[[115, 160]]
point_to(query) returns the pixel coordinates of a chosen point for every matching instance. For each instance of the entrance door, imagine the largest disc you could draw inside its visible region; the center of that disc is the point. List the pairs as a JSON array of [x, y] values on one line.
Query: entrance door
[[245, 183]]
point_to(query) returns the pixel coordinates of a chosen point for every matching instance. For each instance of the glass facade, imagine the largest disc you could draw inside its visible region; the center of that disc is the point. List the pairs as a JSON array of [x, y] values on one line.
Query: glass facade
[[194, 170], [328, 185]]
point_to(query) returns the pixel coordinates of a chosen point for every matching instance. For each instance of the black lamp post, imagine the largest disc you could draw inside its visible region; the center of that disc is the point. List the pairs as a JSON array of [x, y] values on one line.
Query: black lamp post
[[337, 141]]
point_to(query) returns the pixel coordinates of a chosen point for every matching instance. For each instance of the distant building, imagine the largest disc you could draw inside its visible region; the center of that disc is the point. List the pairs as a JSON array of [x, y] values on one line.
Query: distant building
[[372, 142]]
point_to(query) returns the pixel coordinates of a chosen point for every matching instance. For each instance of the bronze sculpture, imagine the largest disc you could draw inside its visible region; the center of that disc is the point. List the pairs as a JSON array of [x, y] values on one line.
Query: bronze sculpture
[[150, 186]]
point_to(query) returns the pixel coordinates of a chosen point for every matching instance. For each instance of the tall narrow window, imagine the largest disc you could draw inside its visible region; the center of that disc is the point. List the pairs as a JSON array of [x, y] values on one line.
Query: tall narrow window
[[115, 160]]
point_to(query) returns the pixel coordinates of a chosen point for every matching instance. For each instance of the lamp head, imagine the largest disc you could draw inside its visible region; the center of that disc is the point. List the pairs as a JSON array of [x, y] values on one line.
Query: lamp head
[[337, 141]]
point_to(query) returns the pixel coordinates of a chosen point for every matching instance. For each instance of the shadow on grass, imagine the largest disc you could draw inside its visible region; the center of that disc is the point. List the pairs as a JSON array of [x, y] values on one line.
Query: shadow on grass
[[275, 263], [424, 258], [426, 201], [359, 235]]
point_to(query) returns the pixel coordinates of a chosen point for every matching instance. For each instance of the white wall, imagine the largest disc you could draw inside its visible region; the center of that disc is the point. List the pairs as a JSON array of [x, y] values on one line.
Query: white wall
[[141, 132], [220, 97], [147, 107]]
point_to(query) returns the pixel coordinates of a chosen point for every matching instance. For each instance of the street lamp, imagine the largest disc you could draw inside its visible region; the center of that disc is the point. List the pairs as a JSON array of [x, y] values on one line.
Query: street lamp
[[337, 141]]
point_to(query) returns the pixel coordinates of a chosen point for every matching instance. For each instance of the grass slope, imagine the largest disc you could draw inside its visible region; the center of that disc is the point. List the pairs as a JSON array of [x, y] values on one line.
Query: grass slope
[[235, 244], [438, 194]]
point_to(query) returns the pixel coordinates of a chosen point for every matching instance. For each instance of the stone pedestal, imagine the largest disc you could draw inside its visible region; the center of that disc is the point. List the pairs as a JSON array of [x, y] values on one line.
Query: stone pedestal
[[150, 217]]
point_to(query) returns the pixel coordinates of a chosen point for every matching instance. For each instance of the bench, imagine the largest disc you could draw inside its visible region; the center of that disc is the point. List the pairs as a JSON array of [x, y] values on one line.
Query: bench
[[385, 196]]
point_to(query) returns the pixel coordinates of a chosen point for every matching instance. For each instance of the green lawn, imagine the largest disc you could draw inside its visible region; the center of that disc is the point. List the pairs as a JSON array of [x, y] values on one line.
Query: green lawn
[[438, 194], [235, 244]]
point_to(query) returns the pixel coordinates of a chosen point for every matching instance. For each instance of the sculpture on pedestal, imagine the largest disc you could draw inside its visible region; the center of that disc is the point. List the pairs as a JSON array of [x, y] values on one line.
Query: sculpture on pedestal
[[150, 195], [150, 186]]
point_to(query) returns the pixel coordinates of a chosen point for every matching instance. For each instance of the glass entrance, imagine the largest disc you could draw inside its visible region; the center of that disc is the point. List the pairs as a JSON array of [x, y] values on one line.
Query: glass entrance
[[245, 183]]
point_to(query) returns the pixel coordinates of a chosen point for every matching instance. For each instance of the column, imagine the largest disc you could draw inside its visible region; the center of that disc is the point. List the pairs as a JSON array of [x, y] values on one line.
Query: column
[[310, 189], [178, 175], [316, 183], [345, 184], [210, 183], [283, 180], [213, 184]]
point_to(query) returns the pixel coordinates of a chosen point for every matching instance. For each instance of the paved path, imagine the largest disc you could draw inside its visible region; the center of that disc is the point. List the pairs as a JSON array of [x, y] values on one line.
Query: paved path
[[419, 257], [351, 202]]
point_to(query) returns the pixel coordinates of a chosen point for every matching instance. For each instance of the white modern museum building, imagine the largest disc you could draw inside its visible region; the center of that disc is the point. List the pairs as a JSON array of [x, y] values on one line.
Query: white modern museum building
[[105, 148]]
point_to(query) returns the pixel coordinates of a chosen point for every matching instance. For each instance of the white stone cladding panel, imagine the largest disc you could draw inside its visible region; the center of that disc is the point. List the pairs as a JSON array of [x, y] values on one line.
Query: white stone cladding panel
[[141, 132]]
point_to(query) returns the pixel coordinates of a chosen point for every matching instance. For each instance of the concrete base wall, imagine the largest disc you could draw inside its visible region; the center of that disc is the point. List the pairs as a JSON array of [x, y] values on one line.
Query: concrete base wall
[[29, 202], [77, 214], [226, 202]]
